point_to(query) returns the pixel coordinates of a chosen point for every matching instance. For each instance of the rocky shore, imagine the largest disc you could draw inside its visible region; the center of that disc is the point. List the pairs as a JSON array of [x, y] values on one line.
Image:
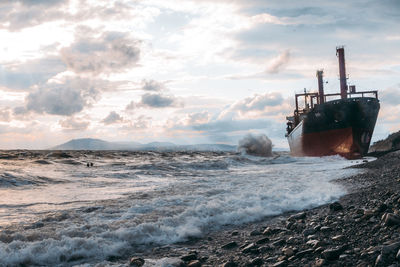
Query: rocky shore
[[361, 229]]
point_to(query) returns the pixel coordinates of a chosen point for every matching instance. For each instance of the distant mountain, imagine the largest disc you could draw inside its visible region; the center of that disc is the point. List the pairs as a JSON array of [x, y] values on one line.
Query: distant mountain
[[85, 143], [98, 144]]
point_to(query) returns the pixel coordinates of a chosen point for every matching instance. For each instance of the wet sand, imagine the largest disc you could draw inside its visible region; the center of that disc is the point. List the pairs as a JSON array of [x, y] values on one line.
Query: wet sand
[[361, 229]]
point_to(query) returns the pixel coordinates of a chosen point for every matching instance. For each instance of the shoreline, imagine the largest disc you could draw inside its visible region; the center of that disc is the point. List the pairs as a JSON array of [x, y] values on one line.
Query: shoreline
[[360, 229]]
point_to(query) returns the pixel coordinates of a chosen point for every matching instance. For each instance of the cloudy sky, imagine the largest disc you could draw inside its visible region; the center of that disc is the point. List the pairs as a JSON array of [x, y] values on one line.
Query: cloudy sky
[[186, 71]]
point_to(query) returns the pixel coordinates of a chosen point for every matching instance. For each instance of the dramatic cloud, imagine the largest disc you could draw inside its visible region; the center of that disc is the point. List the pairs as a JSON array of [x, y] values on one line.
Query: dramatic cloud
[[18, 14], [197, 118], [189, 120], [74, 124], [279, 63], [65, 98], [259, 104], [110, 52], [152, 85], [158, 101], [140, 123], [112, 117], [153, 100]]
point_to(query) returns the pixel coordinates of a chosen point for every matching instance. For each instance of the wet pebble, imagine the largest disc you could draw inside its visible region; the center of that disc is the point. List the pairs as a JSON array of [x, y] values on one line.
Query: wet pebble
[[136, 262], [194, 263], [335, 206], [230, 245]]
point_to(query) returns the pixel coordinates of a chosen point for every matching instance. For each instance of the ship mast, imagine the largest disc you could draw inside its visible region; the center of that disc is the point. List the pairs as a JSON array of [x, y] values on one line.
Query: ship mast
[[342, 72], [320, 74]]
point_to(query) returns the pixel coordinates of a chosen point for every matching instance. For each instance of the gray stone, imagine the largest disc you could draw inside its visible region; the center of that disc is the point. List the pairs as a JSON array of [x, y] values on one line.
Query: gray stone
[[302, 253], [319, 262], [326, 229], [367, 215], [331, 254], [278, 242], [379, 261], [230, 263], [390, 219], [382, 207], [318, 250], [335, 206], [189, 257], [194, 263], [391, 248], [280, 264], [265, 249], [288, 252], [255, 232], [230, 245], [298, 216], [309, 231], [272, 258], [256, 262], [262, 240], [338, 238], [250, 248], [271, 231], [314, 243]]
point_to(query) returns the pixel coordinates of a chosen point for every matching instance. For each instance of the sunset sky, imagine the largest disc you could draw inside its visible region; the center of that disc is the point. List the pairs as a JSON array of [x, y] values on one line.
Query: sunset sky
[[184, 71]]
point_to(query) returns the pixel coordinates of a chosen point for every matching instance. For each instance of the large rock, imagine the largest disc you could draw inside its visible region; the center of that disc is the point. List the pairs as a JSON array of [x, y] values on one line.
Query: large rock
[[391, 143], [390, 219], [391, 249]]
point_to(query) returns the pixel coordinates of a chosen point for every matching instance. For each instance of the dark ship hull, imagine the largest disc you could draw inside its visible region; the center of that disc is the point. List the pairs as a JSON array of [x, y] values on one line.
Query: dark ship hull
[[339, 127]]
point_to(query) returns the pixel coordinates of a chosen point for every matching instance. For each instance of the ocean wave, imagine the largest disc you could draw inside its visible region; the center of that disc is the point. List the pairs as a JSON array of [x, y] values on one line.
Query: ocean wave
[[153, 199], [8, 179]]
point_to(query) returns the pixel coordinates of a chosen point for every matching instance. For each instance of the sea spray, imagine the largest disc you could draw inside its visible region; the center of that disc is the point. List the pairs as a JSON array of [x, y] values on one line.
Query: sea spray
[[258, 145]]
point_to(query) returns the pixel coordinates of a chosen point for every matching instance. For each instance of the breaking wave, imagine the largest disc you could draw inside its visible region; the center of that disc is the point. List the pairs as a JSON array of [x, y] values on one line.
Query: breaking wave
[[258, 145]]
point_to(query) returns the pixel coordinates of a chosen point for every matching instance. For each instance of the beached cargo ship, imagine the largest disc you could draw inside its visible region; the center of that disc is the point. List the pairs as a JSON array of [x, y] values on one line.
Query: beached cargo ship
[[331, 124]]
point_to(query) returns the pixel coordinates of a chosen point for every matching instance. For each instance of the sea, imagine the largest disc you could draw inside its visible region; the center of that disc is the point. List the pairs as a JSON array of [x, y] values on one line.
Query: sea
[[56, 209]]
